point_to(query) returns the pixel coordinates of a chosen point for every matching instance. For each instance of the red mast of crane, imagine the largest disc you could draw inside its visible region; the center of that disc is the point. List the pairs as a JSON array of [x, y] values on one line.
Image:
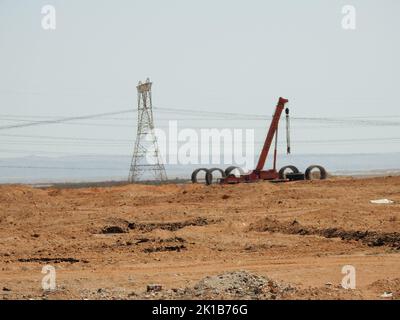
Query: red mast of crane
[[258, 173]]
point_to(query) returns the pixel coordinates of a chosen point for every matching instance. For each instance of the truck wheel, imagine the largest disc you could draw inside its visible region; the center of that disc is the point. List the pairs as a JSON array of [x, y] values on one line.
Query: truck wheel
[[282, 174], [210, 176], [295, 176], [231, 168], [322, 172], [196, 172]]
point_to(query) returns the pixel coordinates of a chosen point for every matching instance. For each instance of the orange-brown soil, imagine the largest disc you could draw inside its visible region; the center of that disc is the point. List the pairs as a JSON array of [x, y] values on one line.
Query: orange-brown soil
[[110, 243]]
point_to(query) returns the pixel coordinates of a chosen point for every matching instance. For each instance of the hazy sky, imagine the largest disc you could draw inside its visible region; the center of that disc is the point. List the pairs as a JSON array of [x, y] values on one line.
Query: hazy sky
[[227, 56]]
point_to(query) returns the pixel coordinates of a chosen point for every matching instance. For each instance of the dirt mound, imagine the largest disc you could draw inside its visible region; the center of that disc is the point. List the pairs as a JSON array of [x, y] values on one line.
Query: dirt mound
[[161, 245], [227, 285], [19, 194], [48, 260], [389, 286], [122, 226], [240, 284], [115, 225], [113, 229], [171, 226], [370, 238], [165, 248]]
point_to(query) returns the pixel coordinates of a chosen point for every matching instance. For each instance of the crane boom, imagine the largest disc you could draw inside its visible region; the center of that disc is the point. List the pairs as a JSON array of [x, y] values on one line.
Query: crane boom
[[271, 133], [258, 173]]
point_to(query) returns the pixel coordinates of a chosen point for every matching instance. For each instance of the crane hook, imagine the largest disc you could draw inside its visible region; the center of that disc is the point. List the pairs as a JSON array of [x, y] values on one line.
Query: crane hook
[[287, 131]]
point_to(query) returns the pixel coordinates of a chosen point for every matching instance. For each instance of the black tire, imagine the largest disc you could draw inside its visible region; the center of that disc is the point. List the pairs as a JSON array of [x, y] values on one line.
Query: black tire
[[295, 176], [282, 174], [196, 172], [231, 168], [323, 173], [210, 176]]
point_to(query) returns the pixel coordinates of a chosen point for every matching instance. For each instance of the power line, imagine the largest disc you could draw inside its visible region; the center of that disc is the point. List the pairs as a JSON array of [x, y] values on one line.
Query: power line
[[29, 118], [263, 117], [63, 153], [57, 168], [67, 144], [214, 116], [332, 123], [204, 113], [64, 138], [60, 120], [122, 143]]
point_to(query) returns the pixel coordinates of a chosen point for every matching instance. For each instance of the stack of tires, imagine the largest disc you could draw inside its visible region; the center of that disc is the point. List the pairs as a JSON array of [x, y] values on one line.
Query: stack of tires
[[209, 177], [295, 174], [290, 173]]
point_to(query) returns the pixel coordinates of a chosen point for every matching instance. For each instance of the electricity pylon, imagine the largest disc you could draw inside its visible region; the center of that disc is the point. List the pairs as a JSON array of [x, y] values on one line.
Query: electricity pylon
[[146, 156]]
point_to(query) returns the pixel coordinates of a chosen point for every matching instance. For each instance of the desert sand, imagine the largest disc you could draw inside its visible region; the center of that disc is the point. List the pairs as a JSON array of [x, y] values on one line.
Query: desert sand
[[291, 240]]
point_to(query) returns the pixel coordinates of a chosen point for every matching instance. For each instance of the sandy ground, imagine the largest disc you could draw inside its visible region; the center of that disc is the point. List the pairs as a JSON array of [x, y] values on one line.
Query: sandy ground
[[110, 243]]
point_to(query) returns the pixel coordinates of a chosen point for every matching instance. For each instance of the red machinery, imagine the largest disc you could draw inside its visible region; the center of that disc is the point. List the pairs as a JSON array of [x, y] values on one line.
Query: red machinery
[[258, 173]]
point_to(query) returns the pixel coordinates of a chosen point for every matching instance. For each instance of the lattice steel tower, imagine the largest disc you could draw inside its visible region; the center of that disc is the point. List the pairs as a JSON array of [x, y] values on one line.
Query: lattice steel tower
[[146, 156]]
